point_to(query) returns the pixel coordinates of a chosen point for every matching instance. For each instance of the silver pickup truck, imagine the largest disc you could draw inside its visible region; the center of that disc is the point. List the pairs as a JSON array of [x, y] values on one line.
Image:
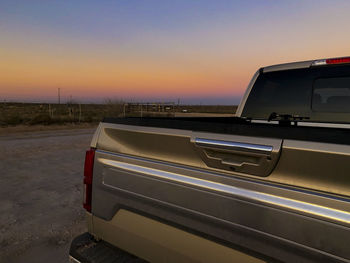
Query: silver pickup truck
[[269, 185]]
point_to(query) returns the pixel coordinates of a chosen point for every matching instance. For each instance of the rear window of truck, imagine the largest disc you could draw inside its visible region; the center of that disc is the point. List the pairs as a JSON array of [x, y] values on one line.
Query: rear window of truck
[[320, 93], [331, 95]]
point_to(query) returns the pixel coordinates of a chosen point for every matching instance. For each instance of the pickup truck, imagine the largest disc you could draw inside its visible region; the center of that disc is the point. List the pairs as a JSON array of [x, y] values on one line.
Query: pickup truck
[[271, 184]]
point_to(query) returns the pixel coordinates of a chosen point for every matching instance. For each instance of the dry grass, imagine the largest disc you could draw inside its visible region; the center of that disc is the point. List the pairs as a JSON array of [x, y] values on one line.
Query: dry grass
[[35, 128], [13, 114], [28, 114]]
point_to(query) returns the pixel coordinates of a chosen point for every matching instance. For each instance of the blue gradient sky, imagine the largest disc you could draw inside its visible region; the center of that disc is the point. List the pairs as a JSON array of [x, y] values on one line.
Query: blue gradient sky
[[199, 51]]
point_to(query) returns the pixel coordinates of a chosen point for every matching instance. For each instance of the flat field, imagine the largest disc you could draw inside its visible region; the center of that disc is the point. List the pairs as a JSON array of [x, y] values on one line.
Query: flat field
[[12, 114]]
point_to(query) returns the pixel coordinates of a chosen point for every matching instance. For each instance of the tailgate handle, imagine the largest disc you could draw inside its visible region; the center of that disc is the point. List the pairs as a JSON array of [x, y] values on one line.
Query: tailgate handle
[[234, 146], [235, 156]]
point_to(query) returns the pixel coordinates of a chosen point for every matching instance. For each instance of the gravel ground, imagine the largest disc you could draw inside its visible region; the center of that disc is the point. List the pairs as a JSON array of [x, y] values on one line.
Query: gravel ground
[[41, 192]]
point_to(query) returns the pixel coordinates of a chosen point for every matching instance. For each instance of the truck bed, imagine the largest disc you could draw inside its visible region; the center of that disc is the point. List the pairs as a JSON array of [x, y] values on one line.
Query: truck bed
[[239, 126]]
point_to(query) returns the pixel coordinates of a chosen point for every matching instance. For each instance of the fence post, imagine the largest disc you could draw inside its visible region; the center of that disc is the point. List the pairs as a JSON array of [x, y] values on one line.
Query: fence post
[[79, 112]]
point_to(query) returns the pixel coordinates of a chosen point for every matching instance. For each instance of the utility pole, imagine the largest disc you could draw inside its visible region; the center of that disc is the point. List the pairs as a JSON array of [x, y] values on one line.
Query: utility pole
[[59, 95]]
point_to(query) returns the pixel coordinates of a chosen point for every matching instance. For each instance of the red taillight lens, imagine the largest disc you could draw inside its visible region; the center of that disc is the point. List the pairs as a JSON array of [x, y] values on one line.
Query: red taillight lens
[[338, 60], [88, 170], [331, 61]]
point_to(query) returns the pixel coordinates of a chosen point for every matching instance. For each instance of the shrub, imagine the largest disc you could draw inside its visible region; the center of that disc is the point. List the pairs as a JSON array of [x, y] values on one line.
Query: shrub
[[13, 119], [41, 119]]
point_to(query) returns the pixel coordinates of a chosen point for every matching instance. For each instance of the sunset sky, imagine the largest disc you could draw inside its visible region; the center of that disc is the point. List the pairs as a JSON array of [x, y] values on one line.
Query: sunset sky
[[197, 50]]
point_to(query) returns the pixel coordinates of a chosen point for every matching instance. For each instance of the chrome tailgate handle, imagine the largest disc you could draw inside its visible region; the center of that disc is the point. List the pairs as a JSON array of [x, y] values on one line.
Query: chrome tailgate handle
[[239, 156], [234, 146]]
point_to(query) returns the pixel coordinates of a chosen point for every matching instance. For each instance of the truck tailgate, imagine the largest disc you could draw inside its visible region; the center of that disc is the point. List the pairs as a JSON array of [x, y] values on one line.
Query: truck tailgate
[[239, 191]]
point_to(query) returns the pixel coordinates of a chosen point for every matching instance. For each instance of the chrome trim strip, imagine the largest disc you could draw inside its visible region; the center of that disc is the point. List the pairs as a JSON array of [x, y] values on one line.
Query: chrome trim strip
[[236, 146], [246, 179], [310, 124], [73, 260], [324, 125], [309, 209], [264, 121]]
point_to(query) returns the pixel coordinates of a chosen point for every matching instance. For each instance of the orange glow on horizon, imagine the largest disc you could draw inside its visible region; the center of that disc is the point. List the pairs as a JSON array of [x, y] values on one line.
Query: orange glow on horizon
[[206, 58]]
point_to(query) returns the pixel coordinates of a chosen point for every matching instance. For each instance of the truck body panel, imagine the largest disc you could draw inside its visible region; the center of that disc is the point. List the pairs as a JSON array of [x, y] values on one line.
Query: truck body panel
[[157, 171]]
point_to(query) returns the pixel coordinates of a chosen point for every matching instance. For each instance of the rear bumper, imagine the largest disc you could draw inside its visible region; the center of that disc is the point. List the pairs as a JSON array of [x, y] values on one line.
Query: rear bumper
[[85, 249]]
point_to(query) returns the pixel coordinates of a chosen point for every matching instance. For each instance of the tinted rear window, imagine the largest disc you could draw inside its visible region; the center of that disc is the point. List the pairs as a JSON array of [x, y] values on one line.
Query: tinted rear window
[[283, 92], [320, 93], [331, 95]]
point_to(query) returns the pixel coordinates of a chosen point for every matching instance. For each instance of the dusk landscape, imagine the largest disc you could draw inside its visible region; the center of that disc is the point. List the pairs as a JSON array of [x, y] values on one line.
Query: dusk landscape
[[198, 51], [125, 134]]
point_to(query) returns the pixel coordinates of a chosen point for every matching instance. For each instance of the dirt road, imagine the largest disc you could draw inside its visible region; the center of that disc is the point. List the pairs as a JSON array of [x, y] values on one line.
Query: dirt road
[[41, 194]]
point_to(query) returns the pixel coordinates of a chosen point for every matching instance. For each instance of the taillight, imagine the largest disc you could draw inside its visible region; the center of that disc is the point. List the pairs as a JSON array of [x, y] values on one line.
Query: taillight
[[331, 61], [88, 171], [338, 60]]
